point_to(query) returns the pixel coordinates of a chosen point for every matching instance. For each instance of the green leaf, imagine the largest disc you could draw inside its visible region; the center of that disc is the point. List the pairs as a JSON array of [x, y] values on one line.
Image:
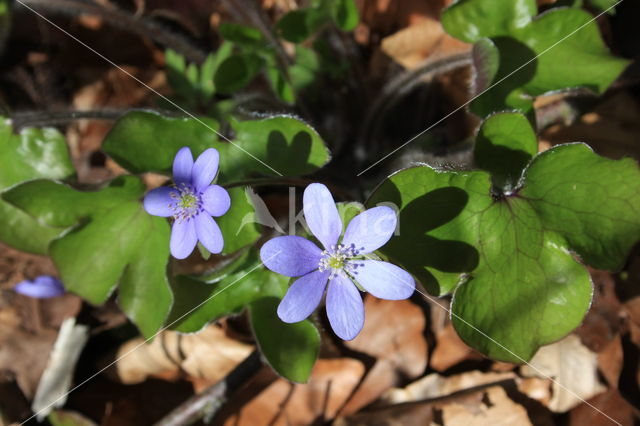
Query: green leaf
[[345, 14], [112, 240], [298, 25], [68, 418], [144, 292], [604, 5], [199, 302], [290, 349], [147, 142], [528, 58], [286, 144], [33, 154], [239, 227], [592, 201], [280, 85], [505, 144], [511, 255], [472, 20], [143, 141], [244, 36], [236, 72]]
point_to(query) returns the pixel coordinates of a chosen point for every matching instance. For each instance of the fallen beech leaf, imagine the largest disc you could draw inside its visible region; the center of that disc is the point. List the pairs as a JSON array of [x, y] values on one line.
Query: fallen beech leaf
[[412, 45], [450, 350], [610, 403], [437, 386], [394, 334], [574, 370], [497, 410], [285, 403], [610, 361], [23, 354], [536, 388], [602, 323], [208, 355], [394, 330]]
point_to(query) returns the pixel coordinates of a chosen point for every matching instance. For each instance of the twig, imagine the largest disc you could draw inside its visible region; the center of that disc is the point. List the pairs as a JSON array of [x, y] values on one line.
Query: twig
[[55, 118], [206, 404], [123, 20]]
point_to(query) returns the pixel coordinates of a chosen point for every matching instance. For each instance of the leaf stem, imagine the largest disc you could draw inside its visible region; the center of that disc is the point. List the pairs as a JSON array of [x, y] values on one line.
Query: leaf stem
[[208, 403]]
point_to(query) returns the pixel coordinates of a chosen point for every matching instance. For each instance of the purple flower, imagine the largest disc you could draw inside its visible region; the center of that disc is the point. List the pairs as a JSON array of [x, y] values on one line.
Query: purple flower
[[338, 264], [191, 201], [43, 287]]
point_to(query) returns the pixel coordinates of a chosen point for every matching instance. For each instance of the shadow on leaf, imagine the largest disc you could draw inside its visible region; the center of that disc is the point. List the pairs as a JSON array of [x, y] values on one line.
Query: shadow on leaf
[[418, 250]]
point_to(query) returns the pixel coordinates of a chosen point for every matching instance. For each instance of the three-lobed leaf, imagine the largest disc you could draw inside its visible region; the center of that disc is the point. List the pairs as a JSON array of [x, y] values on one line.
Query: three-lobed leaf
[[110, 239], [508, 256], [527, 55]]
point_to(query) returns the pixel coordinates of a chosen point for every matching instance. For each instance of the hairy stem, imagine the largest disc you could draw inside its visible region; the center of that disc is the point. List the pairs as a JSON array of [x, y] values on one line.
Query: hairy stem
[[401, 86], [122, 20], [206, 404]]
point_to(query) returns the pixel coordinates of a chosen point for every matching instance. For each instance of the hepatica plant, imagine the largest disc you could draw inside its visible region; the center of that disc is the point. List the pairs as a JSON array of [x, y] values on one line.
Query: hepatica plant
[[507, 240], [342, 263]]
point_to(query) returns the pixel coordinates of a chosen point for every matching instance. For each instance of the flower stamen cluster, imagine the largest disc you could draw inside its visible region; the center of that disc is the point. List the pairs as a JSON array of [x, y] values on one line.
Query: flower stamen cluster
[[187, 202], [340, 258]]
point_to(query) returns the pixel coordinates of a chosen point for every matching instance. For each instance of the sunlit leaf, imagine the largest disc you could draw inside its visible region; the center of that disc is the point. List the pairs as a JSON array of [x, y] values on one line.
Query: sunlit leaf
[[32, 154], [111, 240]]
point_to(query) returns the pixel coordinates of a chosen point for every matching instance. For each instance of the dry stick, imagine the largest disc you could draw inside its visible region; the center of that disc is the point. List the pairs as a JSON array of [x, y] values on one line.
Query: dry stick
[[55, 118], [206, 404], [403, 84], [125, 21]]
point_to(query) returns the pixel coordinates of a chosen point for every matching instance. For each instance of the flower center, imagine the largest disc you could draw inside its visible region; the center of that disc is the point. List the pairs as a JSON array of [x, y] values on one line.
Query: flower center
[[187, 204], [340, 258]]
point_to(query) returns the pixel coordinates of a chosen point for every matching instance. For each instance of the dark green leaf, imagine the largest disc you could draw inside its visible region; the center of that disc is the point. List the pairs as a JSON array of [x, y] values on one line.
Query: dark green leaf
[[511, 254], [472, 20], [298, 25], [238, 225], [33, 154], [505, 144], [236, 72], [528, 57], [290, 349], [147, 142]]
